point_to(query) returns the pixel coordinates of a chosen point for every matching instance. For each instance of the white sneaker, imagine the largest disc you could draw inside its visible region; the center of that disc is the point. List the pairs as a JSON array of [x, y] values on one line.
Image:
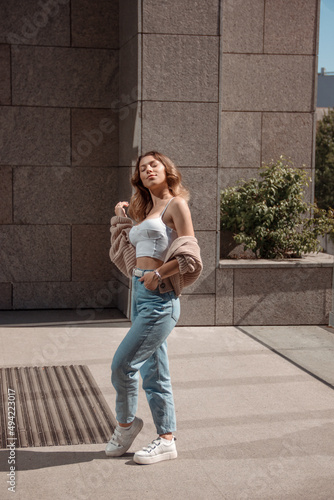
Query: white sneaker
[[123, 438], [160, 449]]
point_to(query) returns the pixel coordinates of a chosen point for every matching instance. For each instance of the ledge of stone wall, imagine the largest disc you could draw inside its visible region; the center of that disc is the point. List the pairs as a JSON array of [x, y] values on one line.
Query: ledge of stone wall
[[275, 292], [309, 260]]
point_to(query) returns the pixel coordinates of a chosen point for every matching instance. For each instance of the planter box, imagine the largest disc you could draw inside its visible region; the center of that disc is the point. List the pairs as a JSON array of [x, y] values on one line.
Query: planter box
[[275, 292]]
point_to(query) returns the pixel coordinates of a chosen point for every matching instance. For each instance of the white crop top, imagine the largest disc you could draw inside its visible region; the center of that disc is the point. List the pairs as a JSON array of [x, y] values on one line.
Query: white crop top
[[152, 237]]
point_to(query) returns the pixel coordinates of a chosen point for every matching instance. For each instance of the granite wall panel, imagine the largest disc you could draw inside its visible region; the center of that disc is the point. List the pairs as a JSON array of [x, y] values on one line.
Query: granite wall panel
[[224, 297], [5, 296], [90, 253], [243, 22], [241, 139], [186, 132], [180, 68], [288, 134], [185, 17], [282, 296], [120, 277], [5, 93], [94, 137], [254, 82], [64, 196], [6, 216], [129, 116], [206, 283], [197, 310], [291, 27], [129, 77], [203, 208], [34, 136], [28, 22], [65, 77], [124, 299], [85, 297], [230, 177], [35, 253], [123, 185], [129, 20], [130, 129], [94, 24]]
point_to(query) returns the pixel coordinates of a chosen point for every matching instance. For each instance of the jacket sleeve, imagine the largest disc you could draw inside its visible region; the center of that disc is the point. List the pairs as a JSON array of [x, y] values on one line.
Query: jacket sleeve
[[186, 251], [186, 264], [122, 252]]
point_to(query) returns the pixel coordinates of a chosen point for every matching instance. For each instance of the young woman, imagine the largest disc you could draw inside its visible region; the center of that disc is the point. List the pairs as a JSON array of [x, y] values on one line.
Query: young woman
[[162, 256]]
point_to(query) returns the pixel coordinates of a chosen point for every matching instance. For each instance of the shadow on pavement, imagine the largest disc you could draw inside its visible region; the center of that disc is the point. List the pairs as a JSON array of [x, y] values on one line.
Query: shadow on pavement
[[31, 460]]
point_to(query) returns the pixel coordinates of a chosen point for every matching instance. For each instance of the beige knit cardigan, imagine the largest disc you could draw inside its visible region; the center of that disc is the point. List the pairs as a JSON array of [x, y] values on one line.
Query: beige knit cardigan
[[184, 248]]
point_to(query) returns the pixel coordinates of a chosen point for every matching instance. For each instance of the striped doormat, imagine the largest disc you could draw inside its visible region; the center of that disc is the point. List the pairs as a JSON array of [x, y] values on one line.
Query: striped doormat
[[52, 405]]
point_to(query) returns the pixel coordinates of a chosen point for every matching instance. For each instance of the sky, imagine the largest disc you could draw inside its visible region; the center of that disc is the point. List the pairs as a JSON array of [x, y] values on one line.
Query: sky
[[326, 38]]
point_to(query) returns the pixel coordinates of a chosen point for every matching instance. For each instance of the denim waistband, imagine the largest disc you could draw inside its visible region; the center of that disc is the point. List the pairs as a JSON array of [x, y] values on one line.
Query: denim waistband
[[140, 272]]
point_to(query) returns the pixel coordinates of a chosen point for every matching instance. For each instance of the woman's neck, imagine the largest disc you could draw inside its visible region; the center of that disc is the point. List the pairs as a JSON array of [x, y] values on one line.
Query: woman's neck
[[162, 196]]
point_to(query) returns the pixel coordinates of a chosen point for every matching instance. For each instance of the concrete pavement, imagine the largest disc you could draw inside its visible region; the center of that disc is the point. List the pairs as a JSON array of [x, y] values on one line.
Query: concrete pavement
[[251, 424]]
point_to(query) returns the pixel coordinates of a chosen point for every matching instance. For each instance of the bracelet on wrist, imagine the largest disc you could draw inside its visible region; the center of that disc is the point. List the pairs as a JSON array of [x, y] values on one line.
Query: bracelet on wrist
[[158, 276]]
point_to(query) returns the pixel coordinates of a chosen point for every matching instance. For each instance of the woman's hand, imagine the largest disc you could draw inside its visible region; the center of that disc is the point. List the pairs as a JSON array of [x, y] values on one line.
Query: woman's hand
[[119, 210], [150, 280]]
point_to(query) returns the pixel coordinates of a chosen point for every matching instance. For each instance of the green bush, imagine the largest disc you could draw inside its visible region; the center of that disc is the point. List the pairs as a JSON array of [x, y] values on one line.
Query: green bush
[[270, 217]]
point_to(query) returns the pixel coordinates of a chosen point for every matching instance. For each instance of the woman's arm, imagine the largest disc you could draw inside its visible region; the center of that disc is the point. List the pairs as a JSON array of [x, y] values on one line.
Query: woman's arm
[[181, 216]]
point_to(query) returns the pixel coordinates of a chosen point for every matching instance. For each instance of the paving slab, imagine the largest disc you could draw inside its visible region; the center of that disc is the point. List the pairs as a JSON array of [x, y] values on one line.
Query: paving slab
[[251, 424], [310, 347]]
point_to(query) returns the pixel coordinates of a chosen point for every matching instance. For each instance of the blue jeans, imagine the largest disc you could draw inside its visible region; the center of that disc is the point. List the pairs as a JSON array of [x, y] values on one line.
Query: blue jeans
[[144, 350]]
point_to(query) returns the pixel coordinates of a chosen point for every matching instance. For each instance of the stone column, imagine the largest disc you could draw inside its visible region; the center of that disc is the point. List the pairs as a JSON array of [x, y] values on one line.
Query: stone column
[[269, 56], [129, 114], [268, 89], [173, 60]]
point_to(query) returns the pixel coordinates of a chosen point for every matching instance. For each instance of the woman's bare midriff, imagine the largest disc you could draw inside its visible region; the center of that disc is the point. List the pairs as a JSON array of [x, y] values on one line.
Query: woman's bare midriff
[[148, 263]]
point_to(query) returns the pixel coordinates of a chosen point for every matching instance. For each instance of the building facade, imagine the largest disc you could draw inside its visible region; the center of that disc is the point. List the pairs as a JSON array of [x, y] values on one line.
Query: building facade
[[219, 86]]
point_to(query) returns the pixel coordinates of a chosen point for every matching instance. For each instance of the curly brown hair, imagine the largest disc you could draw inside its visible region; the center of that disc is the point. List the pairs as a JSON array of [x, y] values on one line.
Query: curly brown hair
[[141, 201]]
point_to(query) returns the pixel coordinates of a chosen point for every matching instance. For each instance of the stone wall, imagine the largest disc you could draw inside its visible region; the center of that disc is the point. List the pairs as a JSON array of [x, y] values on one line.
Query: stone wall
[[269, 65], [59, 152], [169, 74], [222, 86], [269, 292], [268, 104], [219, 86]]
